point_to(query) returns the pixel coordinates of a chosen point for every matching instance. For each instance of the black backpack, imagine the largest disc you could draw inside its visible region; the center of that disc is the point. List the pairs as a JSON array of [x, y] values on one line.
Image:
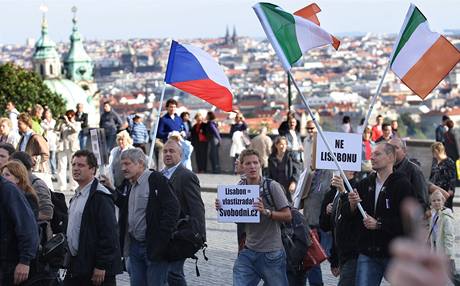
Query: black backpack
[[186, 239], [294, 234], [60, 215]]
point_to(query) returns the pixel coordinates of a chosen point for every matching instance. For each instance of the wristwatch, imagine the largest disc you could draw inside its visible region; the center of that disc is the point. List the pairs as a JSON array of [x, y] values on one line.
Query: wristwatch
[[268, 213]]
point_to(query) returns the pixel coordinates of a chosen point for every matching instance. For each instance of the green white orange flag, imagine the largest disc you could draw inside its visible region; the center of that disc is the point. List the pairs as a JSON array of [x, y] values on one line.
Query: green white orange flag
[[422, 58], [293, 34]]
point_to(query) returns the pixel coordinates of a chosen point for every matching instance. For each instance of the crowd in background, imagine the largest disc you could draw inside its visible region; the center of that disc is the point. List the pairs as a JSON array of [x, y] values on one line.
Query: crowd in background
[[37, 149]]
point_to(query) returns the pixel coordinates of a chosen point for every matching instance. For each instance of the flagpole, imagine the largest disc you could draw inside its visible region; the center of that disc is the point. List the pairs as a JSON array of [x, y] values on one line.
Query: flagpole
[[153, 133], [374, 98], [320, 131]]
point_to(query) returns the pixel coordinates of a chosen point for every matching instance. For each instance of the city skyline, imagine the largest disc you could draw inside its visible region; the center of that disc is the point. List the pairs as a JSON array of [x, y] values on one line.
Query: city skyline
[[104, 20]]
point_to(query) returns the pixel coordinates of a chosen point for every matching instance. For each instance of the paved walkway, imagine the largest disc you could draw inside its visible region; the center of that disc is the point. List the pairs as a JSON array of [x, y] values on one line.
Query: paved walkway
[[222, 246]]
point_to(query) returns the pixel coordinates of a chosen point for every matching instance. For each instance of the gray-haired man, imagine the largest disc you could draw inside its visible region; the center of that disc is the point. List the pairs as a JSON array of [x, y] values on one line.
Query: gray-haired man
[[149, 211]]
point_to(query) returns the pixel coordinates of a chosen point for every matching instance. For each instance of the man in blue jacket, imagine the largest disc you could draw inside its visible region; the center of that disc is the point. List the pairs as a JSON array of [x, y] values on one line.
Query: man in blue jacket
[[168, 123], [18, 235]]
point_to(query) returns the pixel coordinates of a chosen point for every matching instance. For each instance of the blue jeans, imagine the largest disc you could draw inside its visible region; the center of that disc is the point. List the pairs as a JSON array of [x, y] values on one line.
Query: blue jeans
[[110, 139], [214, 155], [370, 270], [325, 239], [176, 276], [83, 138], [142, 271], [348, 273], [52, 161], [315, 276], [251, 266]]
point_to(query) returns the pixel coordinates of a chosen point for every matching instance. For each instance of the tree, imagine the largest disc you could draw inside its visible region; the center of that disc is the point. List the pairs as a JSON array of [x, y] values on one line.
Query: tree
[[25, 89], [413, 129]]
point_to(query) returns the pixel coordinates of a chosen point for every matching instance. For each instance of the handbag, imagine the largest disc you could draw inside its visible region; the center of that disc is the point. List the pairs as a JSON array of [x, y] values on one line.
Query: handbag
[[315, 253]]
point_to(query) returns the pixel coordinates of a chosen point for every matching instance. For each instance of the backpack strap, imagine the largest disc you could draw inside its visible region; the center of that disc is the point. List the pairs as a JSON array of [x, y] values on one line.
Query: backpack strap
[[34, 180], [432, 229], [266, 191]]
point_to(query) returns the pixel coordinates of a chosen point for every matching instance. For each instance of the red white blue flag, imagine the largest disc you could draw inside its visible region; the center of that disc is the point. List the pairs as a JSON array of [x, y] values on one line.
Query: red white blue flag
[[194, 71]]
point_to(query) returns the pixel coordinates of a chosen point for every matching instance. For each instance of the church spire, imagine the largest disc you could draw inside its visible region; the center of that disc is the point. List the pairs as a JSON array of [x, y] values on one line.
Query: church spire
[[227, 36], [46, 60], [77, 63], [234, 36], [44, 9]]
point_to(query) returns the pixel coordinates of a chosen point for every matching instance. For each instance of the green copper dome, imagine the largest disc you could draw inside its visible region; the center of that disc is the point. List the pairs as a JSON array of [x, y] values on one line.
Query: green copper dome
[[72, 93], [45, 48]]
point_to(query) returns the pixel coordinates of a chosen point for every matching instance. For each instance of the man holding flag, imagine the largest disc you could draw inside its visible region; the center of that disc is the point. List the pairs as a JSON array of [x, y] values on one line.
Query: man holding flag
[[194, 71]]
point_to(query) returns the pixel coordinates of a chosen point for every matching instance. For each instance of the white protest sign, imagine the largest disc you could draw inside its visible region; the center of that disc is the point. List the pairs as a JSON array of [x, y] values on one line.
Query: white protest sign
[[236, 203], [95, 146], [347, 148]]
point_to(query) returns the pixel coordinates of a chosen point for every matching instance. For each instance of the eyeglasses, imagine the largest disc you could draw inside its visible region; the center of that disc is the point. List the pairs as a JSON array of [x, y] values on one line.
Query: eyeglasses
[[310, 128]]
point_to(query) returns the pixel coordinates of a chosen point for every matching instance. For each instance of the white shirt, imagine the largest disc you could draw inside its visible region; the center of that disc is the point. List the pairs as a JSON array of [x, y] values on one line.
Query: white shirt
[[76, 208], [13, 115], [295, 141], [307, 151], [167, 172], [378, 189]]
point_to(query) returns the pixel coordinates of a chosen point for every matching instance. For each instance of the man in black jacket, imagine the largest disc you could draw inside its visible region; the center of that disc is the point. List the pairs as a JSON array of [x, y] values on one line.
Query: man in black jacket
[[18, 234], [344, 251], [81, 116], [186, 186], [412, 172], [111, 122], [92, 231], [381, 195], [150, 213]]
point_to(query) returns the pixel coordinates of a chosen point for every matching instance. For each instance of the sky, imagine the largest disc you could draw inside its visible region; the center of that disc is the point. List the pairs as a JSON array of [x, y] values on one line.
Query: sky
[[179, 19]]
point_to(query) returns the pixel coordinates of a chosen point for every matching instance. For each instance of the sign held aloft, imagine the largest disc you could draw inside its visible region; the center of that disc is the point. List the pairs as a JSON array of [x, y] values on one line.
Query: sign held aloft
[[347, 148], [236, 203]]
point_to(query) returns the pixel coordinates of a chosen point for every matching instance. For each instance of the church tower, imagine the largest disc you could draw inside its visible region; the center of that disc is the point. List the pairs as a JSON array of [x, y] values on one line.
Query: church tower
[[78, 65], [46, 61], [227, 36], [234, 36]]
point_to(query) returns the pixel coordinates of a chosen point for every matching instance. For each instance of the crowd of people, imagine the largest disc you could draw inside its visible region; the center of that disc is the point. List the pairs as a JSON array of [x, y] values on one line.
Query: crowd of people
[[127, 218]]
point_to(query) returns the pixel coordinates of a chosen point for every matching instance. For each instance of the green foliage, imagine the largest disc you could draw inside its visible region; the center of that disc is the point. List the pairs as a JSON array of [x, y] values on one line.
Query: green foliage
[[402, 128], [25, 88], [414, 130], [328, 124], [409, 123]]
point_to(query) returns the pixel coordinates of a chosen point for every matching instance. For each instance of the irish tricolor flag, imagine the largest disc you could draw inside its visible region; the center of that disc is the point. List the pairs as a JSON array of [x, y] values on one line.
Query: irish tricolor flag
[[422, 58], [293, 34]]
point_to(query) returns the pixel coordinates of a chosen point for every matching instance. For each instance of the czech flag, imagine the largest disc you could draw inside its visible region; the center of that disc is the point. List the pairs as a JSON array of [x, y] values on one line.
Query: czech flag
[[194, 71]]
